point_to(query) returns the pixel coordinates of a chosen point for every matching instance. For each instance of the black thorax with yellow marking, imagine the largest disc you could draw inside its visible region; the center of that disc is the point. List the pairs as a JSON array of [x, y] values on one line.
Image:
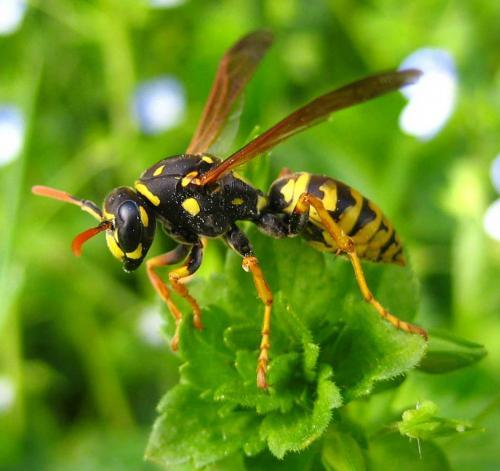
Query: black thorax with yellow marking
[[188, 211]]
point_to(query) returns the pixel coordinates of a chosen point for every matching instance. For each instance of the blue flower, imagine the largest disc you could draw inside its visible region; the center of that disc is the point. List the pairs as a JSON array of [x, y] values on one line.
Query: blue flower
[[491, 220], [432, 99], [12, 130], [159, 104], [495, 173], [165, 3], [11, 15]]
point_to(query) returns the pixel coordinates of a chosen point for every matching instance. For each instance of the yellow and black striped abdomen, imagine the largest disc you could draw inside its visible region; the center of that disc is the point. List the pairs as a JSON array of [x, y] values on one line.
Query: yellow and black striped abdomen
[[373, 235]]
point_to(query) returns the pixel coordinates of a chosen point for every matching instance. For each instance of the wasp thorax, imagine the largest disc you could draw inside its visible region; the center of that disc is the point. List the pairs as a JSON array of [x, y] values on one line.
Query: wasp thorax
[[133, 226]]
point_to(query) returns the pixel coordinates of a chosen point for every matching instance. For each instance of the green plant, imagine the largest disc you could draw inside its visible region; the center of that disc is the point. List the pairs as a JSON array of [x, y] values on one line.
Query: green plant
[[330, 351]]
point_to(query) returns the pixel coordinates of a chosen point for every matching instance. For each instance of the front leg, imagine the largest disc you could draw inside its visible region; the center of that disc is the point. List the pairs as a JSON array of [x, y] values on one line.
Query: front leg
[[239, 242], [169, 258], [189, 267]]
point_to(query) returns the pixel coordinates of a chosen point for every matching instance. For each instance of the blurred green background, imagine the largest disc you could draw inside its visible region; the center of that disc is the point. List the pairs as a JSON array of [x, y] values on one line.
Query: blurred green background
[[82, 363]]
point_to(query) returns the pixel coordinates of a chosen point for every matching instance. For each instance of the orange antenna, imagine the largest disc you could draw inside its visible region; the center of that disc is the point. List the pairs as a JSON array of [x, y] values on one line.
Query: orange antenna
[[81, 238], [85, 205]]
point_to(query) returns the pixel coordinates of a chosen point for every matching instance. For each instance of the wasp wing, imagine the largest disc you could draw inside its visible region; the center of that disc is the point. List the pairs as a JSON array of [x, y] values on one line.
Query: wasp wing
[[313, 113], [235, 70]]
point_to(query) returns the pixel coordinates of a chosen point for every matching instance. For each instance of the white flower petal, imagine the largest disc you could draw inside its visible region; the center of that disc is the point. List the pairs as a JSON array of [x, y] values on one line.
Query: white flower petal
[[150, 327], [491, 220], [495, 173], [12, 130], [7, 393], [159, 104], [432, 99], [165, 3], [11, 15]]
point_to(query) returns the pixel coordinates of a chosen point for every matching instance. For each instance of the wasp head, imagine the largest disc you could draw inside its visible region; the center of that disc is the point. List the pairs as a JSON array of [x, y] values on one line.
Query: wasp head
[[131, 226], [126, 217]]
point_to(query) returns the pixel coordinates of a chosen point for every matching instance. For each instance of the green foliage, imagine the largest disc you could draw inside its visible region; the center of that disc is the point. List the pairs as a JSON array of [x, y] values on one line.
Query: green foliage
[[422, 423], [328, 348], [78, 377], [447, 353]]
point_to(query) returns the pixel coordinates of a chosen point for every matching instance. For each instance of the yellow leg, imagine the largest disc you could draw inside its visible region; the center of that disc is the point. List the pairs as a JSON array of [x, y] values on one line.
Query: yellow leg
[[169, 258], [175, 277], [346, 245], [250, 263]]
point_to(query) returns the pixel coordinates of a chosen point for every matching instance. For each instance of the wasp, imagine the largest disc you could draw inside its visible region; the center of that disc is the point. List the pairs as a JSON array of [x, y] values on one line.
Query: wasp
[[196, 196]]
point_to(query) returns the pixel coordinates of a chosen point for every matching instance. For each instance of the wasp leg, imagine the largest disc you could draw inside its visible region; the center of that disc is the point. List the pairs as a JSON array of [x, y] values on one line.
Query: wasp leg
[[169, 258], [346, 245], [238, 241], [191, 264]]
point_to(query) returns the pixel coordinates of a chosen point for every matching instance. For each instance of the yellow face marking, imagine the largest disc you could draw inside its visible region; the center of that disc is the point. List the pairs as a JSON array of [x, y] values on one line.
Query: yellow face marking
[[144, 216], [187, 179], [144, 191], [113, 247], [207, 159], [136, 254], [108, 216], [237, 201], [158, 170], [191, 206]]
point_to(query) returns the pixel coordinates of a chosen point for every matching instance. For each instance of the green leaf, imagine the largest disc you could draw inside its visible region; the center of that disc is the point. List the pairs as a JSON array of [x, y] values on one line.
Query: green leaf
[[190, 429], [320, 324], [306, 460], [208, 363], [448, 353], [298, 428], [423, 423], [368, 349], [341, 452]]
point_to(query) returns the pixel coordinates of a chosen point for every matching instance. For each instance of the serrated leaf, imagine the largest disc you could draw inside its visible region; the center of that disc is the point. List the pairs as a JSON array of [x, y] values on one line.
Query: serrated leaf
[[448, 353], [319, 321], [244, 391], [423, 423], [190, 430], [298, 428], [311, 355], [369, 351], [208, 363]]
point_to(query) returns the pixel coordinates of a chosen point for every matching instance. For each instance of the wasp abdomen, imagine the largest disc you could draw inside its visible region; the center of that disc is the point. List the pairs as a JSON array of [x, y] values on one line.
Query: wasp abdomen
[[373, 235]]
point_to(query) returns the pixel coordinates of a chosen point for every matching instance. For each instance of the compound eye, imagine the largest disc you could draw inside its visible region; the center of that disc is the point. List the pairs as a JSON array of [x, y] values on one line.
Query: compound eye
[[128, 223]]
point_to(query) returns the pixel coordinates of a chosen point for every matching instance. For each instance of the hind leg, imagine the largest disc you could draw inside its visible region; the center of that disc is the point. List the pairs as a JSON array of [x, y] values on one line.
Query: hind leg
[[345, 244], [169, 258]]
